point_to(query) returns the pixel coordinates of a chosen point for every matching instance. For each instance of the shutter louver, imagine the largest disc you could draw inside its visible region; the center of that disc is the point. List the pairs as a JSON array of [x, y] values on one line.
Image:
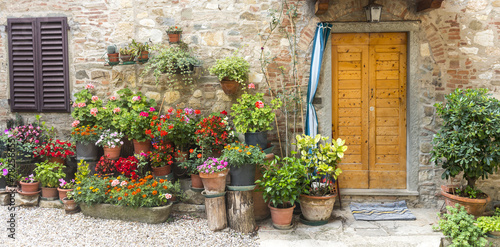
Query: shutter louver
[[23, 86], [53, 69]]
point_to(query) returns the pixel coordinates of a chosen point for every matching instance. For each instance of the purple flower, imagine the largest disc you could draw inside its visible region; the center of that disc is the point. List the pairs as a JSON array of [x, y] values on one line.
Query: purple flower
[[5, 172]]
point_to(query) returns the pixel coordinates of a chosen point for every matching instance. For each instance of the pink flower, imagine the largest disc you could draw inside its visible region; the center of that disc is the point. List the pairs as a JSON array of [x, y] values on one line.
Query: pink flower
[[93, 111], [112, 98], [251, 85], [75, 104], [95, 98], [123, 183], [80, 105], [75, 123], [89, 86], [168, 196], [259, 104], [37, 141], [116, 110], [115, 182], [136, 98], [144, 114], [152, 109]]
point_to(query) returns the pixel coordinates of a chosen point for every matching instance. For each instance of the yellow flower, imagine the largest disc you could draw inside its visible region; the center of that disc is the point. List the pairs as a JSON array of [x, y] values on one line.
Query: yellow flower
[[91, 187], [78, 182], [79, 193], [96, 189], [236, 148], [78, 188], [249, 153]]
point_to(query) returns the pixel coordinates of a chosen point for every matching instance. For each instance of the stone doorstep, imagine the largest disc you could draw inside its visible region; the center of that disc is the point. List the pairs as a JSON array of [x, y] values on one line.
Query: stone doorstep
[[51, 204]]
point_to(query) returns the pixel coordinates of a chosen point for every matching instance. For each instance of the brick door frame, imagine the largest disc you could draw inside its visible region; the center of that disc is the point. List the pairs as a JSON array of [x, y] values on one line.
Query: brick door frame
[[414, 108]]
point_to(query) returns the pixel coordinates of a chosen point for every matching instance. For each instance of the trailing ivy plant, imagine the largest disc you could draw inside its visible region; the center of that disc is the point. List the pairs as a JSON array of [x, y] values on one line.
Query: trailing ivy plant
[[461, 228], [469, 140]]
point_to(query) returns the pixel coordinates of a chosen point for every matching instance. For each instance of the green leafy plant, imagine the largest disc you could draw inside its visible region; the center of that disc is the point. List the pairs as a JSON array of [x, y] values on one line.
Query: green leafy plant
[[138, 47], [460, 227], [176, 190], [251, 114], [82, 171], [171, 61], [469, 140], [127, 51], [174, 29], [281, 181], [231, 68], [238, 154], [321, 160], [49, 173], [489, 223], [196, 158]]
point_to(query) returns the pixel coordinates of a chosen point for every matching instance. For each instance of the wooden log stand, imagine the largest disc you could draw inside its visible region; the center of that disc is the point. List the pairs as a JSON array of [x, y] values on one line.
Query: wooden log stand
[[240, 209], [215, 207]]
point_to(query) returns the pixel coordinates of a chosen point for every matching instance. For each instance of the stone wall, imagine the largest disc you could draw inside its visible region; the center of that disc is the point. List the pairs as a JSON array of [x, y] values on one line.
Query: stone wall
[[459, 47]]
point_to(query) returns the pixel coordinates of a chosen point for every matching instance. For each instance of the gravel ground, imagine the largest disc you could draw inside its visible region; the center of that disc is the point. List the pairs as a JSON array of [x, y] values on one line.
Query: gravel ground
[[52, 227]]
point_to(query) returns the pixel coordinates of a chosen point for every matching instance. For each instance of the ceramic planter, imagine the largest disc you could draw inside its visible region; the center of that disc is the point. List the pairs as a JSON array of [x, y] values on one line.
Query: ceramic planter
[[214, 183], [70, 207], [127, 58], [113, 59], [29, 187], [281, 217], [50, 193], [174, 37], [144, 57], [229, 87], [256, 138], [139, 147], [243, 175], [162, 171], [58, 160], [63, 192], [196, 182], [475, 207], [154, 215], [114, 153], [86, 151], [317, 208]]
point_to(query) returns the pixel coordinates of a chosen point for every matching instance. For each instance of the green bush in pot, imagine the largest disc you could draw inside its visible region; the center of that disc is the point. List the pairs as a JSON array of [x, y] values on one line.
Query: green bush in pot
[[231, 68], [49, 173]]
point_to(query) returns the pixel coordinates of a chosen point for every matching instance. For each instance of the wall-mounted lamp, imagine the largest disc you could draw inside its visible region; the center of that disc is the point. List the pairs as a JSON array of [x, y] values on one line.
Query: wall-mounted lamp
[[373, 11]]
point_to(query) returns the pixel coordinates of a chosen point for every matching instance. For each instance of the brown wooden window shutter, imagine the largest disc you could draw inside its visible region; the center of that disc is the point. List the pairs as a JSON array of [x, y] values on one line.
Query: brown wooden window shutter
[[38, 64]]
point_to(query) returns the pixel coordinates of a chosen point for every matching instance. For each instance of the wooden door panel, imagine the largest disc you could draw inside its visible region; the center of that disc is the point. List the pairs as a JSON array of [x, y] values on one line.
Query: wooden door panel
[[387, 179]]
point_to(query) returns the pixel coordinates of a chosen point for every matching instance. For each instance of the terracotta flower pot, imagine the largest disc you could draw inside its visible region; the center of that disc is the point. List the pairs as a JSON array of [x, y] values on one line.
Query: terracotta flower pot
[[113, 58], [49, 193], [230, 87], [144, 57], [139, 147], [162, 171], [70, 206], [181, 156], [127, 58], [29, 187], [475, 207], [114, 153], [58, 160], [63, 192], [196, 181], [174, 37], [214, 183], [281, 217], [317, 208]]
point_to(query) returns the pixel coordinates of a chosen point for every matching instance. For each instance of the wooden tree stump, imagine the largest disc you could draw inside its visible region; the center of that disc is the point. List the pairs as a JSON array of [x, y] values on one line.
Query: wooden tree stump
[[240, 211], [215, 207]]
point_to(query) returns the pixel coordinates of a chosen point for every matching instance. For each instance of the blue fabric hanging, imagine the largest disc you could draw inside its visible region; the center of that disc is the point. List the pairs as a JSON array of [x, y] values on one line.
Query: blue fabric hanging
[[320, 39]]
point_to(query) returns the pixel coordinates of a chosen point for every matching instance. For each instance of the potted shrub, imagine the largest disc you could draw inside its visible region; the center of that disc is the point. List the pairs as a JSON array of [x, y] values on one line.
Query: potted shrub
[[288, 171], [213, 133], [191, 165], [65, 187], [105, 166], [20, 140], [321, 160], [86, 107], [85, 137], [30, 184], [232, 72], [161, 158], [253, 117], [242, 159], [112, 55], [171, 61], [127, 55], [174, 34], [466, 144], [180, 128], [127, 167], [55, 150], [213, 173], [49, 173], [111, 141], [141, 51]]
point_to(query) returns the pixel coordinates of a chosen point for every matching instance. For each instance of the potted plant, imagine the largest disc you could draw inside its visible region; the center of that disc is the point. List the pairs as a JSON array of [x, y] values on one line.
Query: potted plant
[[213, 173], [112, 55], [30, 184], [161, 158], [127, 167], [490, 224], [321, 160], [174, 34], [191, 165], [20, 140], [242, 159], [254, 117], [85, 137], [111, 141], [232, 72], [466, 144], [86, 107], [141, 51], [281, 186], [55, 150], [127, 55], [213, 133], [49, 173], [70, 206], [65, 187], [4, 171], [105, 166], [180, 127], [460, 227]]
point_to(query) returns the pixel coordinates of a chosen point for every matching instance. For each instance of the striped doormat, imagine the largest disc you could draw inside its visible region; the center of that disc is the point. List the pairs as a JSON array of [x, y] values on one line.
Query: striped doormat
[[381, 211]]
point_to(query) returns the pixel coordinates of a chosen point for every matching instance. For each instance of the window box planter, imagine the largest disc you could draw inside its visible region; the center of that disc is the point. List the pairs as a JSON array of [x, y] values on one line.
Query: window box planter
[[154, 215]]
